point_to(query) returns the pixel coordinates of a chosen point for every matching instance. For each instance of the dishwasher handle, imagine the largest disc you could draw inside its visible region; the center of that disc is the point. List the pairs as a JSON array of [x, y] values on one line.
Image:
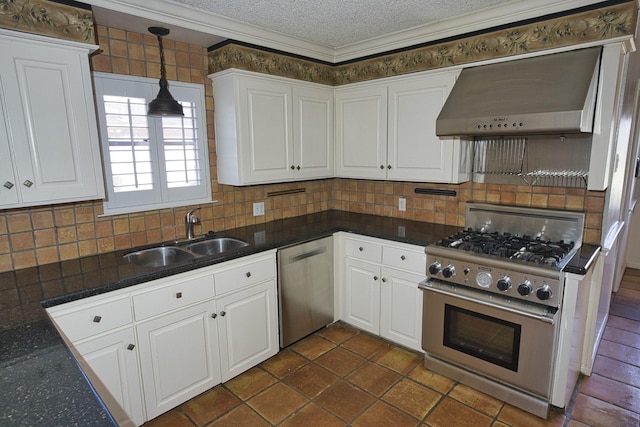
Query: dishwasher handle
[[309, 254]]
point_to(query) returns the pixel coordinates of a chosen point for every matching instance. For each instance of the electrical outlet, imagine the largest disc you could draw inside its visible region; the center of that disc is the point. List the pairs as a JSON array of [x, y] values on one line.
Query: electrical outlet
[[258, 208], [402, 204]]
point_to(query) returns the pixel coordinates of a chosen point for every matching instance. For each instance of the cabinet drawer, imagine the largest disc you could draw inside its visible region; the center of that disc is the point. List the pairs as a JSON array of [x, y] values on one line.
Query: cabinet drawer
[[171, 297], [366, 251], [405, 259], [244, 275], [95, 319]]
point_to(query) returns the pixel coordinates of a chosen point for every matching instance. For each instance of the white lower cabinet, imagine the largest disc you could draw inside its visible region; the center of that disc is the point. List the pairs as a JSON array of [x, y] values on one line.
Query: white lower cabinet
[[381, 294], [151, 347]]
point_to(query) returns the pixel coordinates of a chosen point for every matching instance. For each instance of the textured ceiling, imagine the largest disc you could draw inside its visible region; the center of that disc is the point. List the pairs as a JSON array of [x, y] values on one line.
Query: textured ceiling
[[339, 23]]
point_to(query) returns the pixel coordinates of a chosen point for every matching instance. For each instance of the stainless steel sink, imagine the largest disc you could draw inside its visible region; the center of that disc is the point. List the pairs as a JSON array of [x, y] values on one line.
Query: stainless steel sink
[[161, 256], [216, 245]]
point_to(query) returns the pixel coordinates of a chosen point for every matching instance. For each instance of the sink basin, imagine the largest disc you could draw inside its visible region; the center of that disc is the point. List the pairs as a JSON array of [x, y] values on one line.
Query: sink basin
[[216, 245], [162, 256]]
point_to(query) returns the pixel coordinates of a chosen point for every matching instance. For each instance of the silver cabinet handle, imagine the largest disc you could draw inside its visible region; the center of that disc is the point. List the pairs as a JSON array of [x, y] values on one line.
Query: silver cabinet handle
[[179, 295], [402, 257], [97, 319], [375, 277], [214, 315], [222, 313], [248, 274], [131, 347], [27, 183], [8, 185]]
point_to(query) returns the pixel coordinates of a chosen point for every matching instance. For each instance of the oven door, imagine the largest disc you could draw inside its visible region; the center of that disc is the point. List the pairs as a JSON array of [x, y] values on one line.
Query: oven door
[[505, 340]]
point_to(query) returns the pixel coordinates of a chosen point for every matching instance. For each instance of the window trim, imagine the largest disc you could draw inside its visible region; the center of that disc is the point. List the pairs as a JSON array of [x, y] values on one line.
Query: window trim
[[162, 197]]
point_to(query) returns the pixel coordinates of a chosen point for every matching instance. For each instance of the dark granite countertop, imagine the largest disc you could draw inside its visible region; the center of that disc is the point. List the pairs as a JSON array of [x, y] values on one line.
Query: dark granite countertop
[[40, 376]]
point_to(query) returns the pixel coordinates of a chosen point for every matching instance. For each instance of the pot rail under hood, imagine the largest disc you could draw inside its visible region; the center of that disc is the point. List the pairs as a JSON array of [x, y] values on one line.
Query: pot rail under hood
[[550, 94]]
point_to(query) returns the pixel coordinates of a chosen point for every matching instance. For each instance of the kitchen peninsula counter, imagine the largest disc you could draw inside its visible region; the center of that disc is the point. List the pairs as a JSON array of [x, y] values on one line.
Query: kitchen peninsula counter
[[42, 383]]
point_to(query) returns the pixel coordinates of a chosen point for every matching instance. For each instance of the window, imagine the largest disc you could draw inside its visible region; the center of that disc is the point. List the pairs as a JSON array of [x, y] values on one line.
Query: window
[[151, 162]]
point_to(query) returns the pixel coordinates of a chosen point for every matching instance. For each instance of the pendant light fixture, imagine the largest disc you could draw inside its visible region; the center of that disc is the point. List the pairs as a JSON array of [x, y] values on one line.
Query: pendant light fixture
[[164, 104]]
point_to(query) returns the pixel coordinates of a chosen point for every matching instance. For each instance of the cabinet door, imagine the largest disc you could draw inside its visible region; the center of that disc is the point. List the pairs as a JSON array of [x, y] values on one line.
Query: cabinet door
[[266, 140], [247, 328], [414, 151], [362, 295], [401, 308], [178, 357], [53, 121], [361, 132], [313, 132], [8, 187], [111, 364]]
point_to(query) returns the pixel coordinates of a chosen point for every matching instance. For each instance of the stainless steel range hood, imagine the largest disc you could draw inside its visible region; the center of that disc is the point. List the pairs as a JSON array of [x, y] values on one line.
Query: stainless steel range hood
[[550, 94]]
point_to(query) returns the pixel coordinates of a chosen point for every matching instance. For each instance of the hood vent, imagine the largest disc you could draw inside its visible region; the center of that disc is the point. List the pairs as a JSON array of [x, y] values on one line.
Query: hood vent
[[551, 94]]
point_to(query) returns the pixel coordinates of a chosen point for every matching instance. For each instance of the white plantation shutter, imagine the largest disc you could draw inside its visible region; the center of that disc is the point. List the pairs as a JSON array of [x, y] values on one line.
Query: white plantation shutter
[[151, 162]]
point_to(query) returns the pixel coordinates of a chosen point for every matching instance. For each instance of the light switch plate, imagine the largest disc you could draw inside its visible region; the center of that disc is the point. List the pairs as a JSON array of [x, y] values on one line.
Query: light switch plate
[[402, 204], [258, 208]]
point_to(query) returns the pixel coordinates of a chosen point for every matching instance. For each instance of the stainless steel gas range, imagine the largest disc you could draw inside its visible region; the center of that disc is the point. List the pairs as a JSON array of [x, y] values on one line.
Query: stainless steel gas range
[[493, 301]]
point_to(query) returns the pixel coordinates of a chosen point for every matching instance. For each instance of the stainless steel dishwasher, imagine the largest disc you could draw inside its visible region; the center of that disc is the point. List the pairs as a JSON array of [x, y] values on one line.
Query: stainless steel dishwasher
[[305, 288]]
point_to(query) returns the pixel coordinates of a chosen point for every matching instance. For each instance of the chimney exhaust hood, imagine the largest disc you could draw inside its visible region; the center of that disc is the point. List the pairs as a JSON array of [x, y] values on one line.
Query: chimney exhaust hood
[[550, 94]]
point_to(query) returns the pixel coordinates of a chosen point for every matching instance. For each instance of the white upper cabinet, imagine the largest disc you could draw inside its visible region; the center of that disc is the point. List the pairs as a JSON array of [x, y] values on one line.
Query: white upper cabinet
[[49, 150], [386, 130], [271, 129]]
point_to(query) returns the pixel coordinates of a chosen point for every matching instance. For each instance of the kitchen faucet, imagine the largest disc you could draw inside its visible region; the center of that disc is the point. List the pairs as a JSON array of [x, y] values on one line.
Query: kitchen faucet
[[189, 220]]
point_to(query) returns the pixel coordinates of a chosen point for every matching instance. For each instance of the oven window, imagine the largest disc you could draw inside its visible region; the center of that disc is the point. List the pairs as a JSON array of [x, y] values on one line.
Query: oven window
[[488, 338]]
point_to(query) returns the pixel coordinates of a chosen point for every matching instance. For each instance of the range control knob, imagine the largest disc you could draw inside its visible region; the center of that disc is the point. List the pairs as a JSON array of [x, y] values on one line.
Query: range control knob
[[524, 288], [544, 293], [504, 284], [449, 271], [435, 268]]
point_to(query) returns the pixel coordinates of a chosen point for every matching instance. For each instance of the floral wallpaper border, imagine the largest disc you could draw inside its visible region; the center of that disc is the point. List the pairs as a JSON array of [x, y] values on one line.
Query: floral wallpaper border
[[593, 25], [47, 18]]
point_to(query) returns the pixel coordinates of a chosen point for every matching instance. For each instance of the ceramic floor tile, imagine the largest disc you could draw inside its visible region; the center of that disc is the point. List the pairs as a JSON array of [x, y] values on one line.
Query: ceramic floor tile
[[619, 352], [518, 418], [283, 363], [477, 400], [340, 361], [242, 416], [612, 391], [383, 415], [398, 359], [172, 418], [616, 370], [250, 383], [338, 333], [365, 345], [431, 379], [374, 378], [345, 401], [210, 405], [311, 380], [277, 402], [313, 346], [452, 413], [313, 415], [595, 412], [413, 398]]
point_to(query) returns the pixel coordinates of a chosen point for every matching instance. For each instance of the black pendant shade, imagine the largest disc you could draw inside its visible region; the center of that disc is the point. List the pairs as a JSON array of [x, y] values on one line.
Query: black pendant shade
[[164, 104]]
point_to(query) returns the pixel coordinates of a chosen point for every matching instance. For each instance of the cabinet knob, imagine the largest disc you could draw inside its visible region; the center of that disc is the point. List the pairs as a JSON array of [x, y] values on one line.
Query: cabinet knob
[[361, 249], [388, 166], [179, 295], [97, 319], [131, 347], [27, 183], [384, 280], [248, 274], [292, 167], [381, 166], [298, 167], [375, 277], [222, 313], [402, 257], [8, 185], [214, 315]]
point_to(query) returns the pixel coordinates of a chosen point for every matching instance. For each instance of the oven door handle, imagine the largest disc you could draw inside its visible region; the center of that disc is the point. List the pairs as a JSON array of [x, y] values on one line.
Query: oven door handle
[[471, 295]]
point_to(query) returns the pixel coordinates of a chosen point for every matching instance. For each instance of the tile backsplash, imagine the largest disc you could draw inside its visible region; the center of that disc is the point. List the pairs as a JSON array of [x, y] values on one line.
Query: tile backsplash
[[47, 234]]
